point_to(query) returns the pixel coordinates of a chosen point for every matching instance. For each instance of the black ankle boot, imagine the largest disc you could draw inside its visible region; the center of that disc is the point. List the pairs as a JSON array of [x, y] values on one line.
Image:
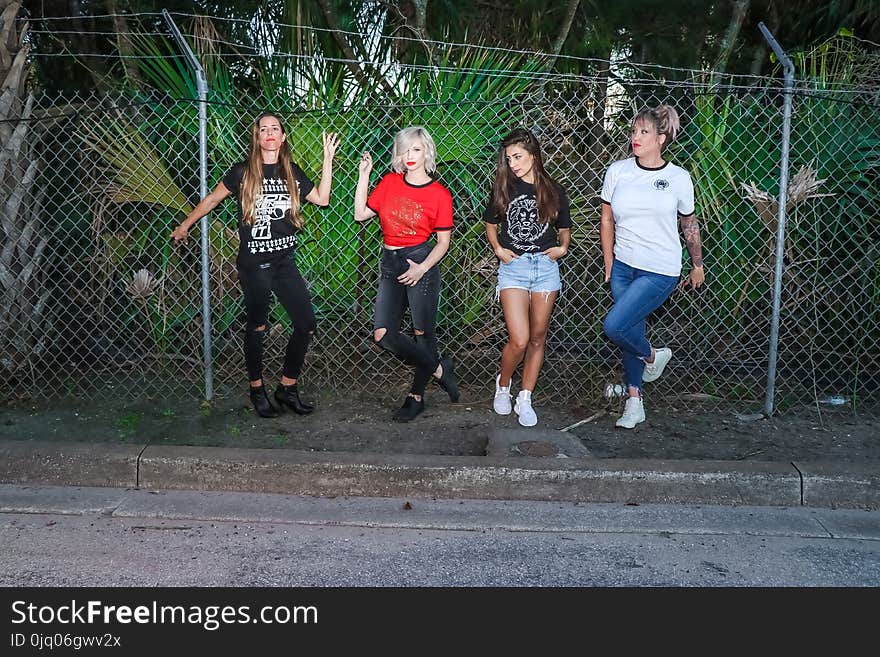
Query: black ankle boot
[[261, 402], [289, 396], [447, 381], [410, 409]]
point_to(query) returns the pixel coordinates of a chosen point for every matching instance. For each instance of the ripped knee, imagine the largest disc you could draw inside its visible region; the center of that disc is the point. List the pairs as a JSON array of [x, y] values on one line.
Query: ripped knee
[[261, 331], [378, 334]]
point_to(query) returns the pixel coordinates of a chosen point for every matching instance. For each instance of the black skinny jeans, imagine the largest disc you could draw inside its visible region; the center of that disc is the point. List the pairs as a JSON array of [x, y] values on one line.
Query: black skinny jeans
[[282, 277], [422, 299]]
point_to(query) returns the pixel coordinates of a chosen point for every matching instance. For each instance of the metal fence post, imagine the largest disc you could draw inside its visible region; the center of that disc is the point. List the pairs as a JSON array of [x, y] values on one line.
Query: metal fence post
[[788, 69], [202, 87]]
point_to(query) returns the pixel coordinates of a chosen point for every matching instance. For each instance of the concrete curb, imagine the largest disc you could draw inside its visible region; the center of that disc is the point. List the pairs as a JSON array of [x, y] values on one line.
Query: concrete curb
[[324, 474], [69, 464]]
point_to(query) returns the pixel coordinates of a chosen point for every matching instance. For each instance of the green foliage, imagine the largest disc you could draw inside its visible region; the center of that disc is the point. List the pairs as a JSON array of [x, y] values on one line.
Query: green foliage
[[733, 142], [128, 424]]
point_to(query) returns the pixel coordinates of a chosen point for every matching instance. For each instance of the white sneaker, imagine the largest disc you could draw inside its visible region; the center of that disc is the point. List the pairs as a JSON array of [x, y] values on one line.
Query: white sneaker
[[653, 370], [633, 413], [523, 408], [501, 403]]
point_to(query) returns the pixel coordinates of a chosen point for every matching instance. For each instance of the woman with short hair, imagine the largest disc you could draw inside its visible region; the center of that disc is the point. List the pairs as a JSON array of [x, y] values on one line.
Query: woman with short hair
[[412, 207]]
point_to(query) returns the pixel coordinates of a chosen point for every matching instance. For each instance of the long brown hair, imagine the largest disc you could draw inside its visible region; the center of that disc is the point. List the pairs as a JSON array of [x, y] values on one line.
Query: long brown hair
[[545, 187], [252, 181]]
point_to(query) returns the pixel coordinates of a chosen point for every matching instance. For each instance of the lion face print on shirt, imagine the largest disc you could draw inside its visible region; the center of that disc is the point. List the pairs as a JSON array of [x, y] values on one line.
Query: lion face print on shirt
[[523, 225]]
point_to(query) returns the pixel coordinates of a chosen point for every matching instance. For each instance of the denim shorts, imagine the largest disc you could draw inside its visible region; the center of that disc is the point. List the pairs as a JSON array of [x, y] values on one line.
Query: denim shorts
[[533, 272]]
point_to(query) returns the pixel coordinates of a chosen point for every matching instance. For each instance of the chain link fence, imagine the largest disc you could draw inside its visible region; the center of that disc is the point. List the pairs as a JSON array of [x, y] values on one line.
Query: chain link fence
[[115, 309]]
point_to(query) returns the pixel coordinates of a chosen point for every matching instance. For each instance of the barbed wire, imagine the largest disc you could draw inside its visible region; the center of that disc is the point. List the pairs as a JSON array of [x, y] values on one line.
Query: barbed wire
[[716, 86], [605, 69], [363, 35], [114, 33], [599, 75], [524, 100]]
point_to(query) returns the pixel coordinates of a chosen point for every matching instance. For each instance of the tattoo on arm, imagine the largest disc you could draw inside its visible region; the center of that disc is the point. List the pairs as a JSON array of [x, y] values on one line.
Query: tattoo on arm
[[690, 228]]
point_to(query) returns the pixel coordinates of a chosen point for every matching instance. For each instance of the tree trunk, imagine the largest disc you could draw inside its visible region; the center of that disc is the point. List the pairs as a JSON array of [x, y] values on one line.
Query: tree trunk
[[356, 70], [419, 25], [85, 45], [759, 60], [123, 44], [740, 9], [560, 39], [563, 31], [23, 293]]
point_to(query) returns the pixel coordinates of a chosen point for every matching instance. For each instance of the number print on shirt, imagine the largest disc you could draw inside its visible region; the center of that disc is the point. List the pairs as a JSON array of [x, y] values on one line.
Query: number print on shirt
[[523, 225]]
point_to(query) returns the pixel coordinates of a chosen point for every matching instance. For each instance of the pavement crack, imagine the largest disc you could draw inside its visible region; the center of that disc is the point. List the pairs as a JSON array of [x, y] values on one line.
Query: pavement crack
[[137, 467], [822, 525], [801, 477]]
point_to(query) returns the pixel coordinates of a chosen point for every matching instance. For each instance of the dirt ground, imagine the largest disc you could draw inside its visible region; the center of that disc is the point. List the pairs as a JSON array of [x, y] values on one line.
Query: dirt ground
[[363, 424]]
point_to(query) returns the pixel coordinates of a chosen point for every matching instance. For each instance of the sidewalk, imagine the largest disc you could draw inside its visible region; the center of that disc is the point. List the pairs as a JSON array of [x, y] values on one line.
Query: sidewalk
[[455, 451]]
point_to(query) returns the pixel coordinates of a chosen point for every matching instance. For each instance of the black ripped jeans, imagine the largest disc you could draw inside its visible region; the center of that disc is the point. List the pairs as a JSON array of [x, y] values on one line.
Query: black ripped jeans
[[422, 299], [282, 277]]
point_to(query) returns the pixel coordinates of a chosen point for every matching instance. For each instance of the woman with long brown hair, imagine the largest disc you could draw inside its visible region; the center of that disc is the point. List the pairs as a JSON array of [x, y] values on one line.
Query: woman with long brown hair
[[270, 189], [528, 226]]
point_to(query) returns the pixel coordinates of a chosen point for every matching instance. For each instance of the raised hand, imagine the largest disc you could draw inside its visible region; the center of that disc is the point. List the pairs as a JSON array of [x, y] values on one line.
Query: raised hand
[[331, 142], [366, 164]]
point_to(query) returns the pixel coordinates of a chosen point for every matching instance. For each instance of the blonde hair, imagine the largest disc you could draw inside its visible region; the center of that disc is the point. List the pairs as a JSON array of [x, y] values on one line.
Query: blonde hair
[[665, 120], [404, 139], [252, 181]]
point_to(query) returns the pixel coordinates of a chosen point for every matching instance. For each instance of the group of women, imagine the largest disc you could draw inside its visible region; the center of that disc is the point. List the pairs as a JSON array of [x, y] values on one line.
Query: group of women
[[645, 201]]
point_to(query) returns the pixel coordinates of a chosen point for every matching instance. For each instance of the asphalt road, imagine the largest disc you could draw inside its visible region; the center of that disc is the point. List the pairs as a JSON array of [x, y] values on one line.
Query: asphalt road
[[63, 536]]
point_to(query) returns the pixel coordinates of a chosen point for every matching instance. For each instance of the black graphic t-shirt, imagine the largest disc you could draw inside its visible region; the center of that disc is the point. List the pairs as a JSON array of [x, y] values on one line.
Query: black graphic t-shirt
[[272, 234], [521, 230]]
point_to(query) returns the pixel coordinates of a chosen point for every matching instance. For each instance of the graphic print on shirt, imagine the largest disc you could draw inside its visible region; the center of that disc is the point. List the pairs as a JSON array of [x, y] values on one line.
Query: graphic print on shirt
[[272, 205], [404, 216], [661, 184], [523, 225]]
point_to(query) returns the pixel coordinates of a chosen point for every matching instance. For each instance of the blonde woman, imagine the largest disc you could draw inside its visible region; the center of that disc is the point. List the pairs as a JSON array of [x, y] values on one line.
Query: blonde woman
[[646, 200], [270, 189], [412, 207]]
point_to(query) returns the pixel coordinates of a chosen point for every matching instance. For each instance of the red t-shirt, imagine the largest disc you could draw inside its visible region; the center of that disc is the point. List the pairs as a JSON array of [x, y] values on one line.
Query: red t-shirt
[[410, 214]]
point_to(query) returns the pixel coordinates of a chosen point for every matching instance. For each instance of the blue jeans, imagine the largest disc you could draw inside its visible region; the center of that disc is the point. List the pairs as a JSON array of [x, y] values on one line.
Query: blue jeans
[[637, 293]]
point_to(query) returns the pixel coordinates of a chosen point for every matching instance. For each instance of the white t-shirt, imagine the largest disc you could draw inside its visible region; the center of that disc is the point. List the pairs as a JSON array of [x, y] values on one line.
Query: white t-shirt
[[646, 204]]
